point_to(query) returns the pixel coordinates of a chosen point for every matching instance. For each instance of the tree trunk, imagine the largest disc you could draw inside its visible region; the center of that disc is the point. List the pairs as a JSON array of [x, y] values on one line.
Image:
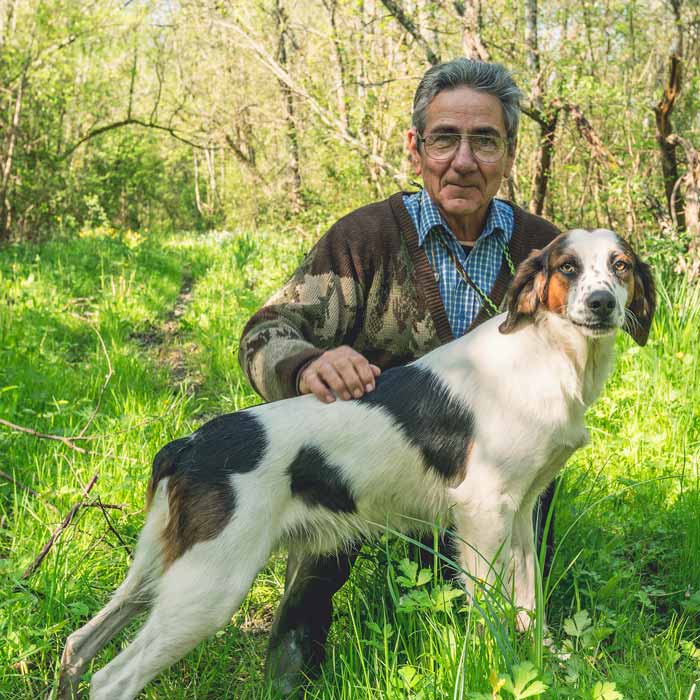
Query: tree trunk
[[472, 45], [340, 63], [8, 157], [289, 108], [8, 21], [690, 264], [358, 142], [543, 166], [546, 119], [197, 195], [664, 129], [532, 56]]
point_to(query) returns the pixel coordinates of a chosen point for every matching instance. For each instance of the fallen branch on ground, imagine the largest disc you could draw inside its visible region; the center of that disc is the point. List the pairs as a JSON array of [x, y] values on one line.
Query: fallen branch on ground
[[54, 536], [68, 442], [20, 485], [103, 507]]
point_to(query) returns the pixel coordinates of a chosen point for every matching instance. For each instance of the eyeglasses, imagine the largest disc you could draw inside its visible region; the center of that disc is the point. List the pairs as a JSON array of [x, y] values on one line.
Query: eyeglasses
[[486, 148]]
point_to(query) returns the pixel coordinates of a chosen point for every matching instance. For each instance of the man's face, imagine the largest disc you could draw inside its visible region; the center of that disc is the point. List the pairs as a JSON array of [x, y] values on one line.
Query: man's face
[[461, 186]]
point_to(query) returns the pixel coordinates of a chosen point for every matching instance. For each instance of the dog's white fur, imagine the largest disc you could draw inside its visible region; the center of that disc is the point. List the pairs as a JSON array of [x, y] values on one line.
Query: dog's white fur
[[527, 390]]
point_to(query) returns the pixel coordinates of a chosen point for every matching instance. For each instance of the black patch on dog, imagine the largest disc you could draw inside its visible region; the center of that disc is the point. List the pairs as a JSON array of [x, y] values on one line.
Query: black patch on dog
[[318, 482], [164, 463], [201, 499], [230, 444], [439, 425]]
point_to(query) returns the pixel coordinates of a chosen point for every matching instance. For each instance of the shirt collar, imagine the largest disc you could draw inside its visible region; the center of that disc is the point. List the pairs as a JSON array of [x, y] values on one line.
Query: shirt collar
[[429, 217]]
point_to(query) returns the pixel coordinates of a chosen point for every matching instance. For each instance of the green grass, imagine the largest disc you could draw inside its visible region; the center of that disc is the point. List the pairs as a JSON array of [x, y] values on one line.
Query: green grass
[[623, 598]]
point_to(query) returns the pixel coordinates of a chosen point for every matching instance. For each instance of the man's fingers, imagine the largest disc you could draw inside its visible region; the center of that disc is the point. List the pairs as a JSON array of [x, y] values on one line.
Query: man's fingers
[[330, 374], [317, 387], [365, 373], [342, 373], [349, 370]]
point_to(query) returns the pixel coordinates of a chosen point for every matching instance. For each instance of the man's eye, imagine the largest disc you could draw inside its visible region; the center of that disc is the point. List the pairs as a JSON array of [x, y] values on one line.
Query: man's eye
[[442, 140], [620, 265], [567, 268], [485, 143]]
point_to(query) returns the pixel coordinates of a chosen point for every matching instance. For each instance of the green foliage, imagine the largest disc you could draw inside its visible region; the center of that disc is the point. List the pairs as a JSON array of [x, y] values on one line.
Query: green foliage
[[141, 115], [622, 596]]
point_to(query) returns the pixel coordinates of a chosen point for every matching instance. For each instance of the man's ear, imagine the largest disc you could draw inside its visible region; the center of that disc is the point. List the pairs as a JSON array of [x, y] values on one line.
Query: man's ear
[[510, 159], [527, 291], [413, 150], [640, 312]]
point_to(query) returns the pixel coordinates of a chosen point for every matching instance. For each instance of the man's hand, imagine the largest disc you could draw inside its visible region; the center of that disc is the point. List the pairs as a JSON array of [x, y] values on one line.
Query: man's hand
[[341, 372]]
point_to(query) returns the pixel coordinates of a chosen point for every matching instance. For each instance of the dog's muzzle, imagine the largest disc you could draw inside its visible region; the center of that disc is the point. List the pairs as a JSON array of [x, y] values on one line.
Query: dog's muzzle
[[601, 304]]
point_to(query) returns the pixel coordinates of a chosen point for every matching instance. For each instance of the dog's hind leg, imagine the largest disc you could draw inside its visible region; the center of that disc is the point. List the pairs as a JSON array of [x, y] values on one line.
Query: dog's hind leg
[[131, 598], [197, 596], [87, 642]]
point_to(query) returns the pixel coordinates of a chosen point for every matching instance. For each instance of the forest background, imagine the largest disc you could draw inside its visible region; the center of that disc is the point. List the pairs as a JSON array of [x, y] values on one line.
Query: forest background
[[164, 165], [200, 115]]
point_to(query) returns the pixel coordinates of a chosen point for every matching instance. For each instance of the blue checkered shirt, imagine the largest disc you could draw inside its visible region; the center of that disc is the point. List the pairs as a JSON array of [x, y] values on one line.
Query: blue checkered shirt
[[461, 302]]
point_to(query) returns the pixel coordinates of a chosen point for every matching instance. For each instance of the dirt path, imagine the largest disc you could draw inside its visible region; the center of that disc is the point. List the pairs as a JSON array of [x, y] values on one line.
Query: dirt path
[[166, 345]]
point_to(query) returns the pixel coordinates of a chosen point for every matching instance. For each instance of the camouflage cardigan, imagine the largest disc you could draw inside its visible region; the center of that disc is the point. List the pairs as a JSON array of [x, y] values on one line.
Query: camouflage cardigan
[[368, 284]]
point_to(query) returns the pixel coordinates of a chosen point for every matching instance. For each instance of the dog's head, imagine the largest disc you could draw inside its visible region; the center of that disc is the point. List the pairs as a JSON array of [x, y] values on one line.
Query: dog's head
[[591, 278]]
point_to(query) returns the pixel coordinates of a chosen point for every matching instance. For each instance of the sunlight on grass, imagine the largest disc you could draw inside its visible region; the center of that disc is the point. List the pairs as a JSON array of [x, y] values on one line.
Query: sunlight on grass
[[622, 599]]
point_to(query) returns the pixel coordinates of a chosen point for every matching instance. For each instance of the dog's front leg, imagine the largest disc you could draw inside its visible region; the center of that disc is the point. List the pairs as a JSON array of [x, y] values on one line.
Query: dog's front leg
[[524, 563], [483, 518]]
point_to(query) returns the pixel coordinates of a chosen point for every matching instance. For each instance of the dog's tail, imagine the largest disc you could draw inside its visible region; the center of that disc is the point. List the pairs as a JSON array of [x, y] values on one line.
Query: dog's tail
[[164, 464]]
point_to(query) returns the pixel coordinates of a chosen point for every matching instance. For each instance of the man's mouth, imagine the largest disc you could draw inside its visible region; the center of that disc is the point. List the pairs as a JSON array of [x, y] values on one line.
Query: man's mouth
[[462, 187]]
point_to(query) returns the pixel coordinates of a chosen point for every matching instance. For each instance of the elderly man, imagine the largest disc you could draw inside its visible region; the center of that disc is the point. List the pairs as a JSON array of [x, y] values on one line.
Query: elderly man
[[386, 284]]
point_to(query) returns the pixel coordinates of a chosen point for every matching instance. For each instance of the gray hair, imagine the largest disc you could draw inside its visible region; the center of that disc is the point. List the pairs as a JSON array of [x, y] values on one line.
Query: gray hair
[[491, 78]]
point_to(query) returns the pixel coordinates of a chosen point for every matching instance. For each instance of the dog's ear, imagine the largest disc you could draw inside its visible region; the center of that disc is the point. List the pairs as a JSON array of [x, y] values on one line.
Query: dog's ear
[[527, 291], [640, 310]]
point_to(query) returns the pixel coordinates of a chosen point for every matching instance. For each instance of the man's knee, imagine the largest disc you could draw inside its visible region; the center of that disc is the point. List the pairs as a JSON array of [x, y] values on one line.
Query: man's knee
[[303, 619]]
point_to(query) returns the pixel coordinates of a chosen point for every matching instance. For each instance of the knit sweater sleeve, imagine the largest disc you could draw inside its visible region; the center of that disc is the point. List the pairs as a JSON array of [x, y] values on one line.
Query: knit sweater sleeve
[[319, 308]]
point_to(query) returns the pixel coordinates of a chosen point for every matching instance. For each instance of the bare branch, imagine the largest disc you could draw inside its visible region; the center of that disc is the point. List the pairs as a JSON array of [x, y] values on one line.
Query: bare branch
[[68, 442], [127, 122], [598, 149], [529, 109], [246, 35], [399, 14], [103, 507], [472, 43], [56, 533], [18, 484], [26, 489]]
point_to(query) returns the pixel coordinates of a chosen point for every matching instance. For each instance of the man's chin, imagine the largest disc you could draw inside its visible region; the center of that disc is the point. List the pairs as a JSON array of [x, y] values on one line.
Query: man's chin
[[463, 206]]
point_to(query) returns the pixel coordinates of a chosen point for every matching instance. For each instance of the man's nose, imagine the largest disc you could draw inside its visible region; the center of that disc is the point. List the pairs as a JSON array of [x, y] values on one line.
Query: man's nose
[[463, 158]]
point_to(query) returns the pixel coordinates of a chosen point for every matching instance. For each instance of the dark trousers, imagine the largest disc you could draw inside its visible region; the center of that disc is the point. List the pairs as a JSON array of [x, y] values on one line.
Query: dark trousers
[[303, 619]]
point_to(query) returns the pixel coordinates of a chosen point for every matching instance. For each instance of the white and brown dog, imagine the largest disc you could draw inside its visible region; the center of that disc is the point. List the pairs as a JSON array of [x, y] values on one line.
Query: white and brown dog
[[470, 433]]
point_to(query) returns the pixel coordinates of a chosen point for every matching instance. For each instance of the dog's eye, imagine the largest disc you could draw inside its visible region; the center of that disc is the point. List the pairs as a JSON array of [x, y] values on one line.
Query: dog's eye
[[568, 268], [620, 265]]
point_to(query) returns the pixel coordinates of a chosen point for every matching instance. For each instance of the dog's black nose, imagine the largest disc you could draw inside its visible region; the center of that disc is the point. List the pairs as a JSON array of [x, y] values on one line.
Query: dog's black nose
[[601, 303]]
